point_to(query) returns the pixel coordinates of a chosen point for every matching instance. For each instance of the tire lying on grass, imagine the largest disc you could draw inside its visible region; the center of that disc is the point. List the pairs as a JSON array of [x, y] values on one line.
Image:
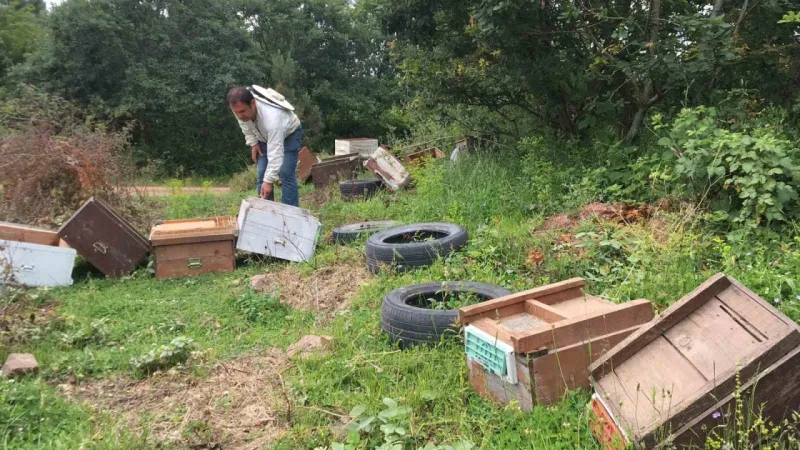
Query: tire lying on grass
[[353, 189], [353, 231], [407, 316], [409, 247]]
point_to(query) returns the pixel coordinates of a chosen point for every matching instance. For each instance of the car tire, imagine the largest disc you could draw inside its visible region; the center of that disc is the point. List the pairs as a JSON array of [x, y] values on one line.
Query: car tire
[[351, 232], [409, 324], [356, 189], [396, 246]]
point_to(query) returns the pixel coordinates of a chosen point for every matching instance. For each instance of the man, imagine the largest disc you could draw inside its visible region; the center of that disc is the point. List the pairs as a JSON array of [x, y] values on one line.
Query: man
[[274, 134]]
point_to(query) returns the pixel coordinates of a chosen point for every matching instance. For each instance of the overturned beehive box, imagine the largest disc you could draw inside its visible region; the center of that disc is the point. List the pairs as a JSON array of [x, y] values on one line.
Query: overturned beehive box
[[394, 175], [360, 146], [305, 161], [419, 158], [676, 378], [533, 346], [334, 169]]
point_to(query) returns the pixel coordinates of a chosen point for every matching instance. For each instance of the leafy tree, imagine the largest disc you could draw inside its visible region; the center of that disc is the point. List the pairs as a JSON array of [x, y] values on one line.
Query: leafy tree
[[19, 33]]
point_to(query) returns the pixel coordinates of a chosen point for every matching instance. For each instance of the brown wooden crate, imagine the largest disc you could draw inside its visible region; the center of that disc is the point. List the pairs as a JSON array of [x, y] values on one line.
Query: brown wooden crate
[[305, 161], [194, 258], [668, 373], [104, 238]]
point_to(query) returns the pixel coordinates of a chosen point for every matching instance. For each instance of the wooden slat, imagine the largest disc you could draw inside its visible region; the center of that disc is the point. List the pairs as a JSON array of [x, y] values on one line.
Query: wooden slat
[[544, 312], [684, 412], [24, 233], [757, 315], [567, 368], [572, 331], [775, 312], [495, 329], [585, 304], [632, 413], [674, 314], [561, 296], [497, 314], [469, 313]]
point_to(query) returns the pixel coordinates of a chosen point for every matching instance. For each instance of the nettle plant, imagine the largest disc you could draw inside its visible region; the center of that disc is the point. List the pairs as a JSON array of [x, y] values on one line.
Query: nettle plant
[[753, 174], [393, 424]]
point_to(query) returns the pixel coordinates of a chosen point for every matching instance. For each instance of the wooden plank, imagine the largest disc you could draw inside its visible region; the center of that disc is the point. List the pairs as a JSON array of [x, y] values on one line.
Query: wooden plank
[[495, 329], [545, 312], [758, 316], [572, 331], [498, 314], [468, 313], [688, 409], [632, 412], [662, 373], [557, 297], [24, 233], [773, 395], [567, 368], [669, 318], [583, 305], [745, 290], [711, 339]]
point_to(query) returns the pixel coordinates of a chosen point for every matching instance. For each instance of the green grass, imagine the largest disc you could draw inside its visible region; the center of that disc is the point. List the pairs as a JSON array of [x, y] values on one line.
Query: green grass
[[99, 325]]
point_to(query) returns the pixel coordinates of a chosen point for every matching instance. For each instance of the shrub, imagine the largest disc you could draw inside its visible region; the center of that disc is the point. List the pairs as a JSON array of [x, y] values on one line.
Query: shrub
[[752, 174], [165, 356], [244, 181], [52, 159]]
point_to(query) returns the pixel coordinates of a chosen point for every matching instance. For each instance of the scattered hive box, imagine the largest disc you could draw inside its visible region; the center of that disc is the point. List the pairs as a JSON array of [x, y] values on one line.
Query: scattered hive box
[[305, 161], [672, 379], [34, 264], [104, 238], [277, 230], [344, 167], [418, 158], [389, 169], [360, 146], [29, 234], [533, 346], [194, 246]]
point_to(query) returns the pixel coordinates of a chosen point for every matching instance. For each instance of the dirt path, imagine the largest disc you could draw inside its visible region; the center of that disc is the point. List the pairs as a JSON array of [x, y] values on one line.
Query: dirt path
[[164, 191]]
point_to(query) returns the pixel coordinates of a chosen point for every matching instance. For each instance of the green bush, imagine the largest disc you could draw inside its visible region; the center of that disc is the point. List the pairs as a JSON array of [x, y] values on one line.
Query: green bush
[[750, 175], [165, 356]]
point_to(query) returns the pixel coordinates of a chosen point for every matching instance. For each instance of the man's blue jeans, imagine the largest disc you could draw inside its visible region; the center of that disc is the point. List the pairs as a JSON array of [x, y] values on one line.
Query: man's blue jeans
[[288, 170]]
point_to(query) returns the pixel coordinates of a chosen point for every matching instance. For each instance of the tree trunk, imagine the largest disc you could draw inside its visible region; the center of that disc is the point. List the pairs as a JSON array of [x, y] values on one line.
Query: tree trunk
[[646, 97]]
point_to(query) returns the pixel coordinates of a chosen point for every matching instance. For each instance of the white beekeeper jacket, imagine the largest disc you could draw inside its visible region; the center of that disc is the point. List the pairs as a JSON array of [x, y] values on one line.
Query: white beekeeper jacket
[[271, 125]]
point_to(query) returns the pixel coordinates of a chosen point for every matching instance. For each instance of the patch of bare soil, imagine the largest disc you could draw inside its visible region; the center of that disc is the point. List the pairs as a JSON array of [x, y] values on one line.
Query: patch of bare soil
[[604, 212], [241, 405], [330, 288]]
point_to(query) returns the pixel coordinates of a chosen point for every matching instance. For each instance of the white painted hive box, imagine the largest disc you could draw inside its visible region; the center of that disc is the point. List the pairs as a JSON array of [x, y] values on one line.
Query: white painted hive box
[[362, 146], [277, 230], [393, 173], [35, 265]]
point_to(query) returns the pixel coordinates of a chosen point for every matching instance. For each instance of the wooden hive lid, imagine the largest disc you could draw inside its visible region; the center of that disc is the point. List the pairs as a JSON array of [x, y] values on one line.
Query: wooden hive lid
[[691, 355], [553, 316], [187, 231], [25, 233]]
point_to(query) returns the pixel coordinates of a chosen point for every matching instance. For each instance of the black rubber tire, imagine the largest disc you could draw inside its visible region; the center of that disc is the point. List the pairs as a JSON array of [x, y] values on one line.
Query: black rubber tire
[[353, 231], [365, 188], [414, 254], [411, 325]]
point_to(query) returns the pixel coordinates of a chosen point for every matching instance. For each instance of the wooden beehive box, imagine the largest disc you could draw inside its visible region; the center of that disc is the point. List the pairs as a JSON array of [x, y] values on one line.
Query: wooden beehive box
[[305, 161], [551, 335], [668, 379], [343, 167], [389, 169], [277, 230], [360, 146], [418, 158], [194, 246], [104, 238]]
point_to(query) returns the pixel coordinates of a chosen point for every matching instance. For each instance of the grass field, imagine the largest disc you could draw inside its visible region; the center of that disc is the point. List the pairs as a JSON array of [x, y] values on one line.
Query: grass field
[[217, 347]]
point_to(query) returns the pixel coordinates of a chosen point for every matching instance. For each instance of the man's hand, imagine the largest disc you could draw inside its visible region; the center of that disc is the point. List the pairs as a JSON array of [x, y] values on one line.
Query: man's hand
[[266, 189], [256, 152]]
